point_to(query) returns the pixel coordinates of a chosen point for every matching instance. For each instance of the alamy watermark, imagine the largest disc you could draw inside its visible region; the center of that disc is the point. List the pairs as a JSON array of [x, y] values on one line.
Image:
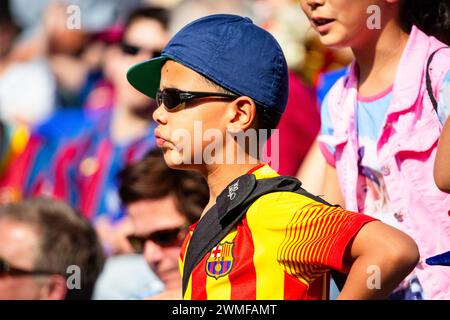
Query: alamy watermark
[[374, 280], [73, 281], [374, 20], [73, 21]]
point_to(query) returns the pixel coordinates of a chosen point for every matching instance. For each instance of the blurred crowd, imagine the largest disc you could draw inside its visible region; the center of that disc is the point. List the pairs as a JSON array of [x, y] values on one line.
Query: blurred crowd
[[81, 183]]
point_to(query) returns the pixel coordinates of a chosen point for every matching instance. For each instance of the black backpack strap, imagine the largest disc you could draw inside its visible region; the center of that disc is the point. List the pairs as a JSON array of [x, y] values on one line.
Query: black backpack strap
[[428, 80], [209, 230]]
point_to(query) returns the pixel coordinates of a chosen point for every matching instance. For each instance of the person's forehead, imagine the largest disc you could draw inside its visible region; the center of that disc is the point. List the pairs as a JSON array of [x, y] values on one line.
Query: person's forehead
[[155, 214], [147, 33], [176, 75], [18, 242]]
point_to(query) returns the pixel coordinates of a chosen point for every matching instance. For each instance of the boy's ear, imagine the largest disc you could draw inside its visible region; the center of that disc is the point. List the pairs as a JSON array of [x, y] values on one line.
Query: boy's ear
[[242, 114]]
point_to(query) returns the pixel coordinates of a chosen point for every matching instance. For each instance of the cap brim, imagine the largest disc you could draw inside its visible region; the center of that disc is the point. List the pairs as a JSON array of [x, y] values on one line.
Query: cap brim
[[145, 76]]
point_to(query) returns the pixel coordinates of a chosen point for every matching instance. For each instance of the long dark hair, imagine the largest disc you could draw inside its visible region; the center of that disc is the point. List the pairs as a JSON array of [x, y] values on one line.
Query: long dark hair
[[431, 16]]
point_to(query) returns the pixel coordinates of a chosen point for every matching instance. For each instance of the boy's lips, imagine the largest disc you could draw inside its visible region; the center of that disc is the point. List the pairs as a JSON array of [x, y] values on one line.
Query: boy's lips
[[321, 24], [160, 141]]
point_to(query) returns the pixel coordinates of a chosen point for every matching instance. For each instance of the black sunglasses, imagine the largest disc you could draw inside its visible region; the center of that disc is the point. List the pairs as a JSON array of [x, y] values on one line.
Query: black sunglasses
[[134, 50], [163, 238], [172, 98], [6, 268]]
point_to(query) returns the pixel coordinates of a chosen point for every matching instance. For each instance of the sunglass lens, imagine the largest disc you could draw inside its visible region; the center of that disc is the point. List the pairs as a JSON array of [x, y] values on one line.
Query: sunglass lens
[[129, 49], [166, 238], [171, 98], [137, 244]]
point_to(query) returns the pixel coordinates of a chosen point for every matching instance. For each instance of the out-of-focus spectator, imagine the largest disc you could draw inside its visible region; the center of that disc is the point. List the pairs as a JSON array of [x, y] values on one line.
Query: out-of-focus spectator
[[8, 30], [124, 134], [13, 136], [95, 15], [187, 11], [47, 251], [78, 160], [27, 93], [49, 65], [161, 204], [282, 20]]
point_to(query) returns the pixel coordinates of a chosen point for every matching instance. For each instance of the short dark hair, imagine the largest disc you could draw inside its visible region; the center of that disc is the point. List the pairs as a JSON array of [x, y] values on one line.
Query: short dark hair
[[430, 16], [265, 118], [151, 178], [159, 14], [66, 238]]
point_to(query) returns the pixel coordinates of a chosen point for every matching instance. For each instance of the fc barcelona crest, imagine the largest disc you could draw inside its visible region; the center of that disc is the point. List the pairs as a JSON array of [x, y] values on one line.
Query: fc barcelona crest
[[220, 260]]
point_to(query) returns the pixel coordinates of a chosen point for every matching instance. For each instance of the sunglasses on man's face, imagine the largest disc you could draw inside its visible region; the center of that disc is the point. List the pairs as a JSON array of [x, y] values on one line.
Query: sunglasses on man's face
[[134, 50], [172, 98], [7, 269], [164, 238]]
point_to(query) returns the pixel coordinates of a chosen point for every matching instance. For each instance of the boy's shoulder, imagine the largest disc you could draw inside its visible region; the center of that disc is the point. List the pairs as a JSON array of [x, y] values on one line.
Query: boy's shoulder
[[278, 198], [282, 205]]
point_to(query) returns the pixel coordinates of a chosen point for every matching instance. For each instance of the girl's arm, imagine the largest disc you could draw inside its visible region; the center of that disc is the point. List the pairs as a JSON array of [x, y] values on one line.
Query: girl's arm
[[312, 170], [331, 190], [442, 164], [319, 177]]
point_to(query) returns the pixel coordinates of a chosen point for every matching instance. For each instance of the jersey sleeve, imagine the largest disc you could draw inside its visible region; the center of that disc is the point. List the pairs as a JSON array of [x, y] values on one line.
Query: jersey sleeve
[[317, 237], [309, 237]]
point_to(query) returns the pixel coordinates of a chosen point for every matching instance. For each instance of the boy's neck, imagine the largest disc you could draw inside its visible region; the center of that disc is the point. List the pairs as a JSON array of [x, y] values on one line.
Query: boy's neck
[[378, 59], [220, 176]]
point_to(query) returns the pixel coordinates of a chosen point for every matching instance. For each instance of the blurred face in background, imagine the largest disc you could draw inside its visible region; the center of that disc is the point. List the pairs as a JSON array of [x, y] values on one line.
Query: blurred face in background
[[62, 40], [161, 228], [144, 39], [18, 247]]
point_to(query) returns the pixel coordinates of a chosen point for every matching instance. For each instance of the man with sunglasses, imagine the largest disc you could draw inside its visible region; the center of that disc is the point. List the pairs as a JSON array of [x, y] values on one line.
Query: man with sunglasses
[[81, 168], [43, 243], [122, 134], [261, 236], [161, 203]]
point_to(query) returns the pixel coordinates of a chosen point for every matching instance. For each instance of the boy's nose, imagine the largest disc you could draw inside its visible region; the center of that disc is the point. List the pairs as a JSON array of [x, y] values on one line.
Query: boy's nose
[[160, 115]]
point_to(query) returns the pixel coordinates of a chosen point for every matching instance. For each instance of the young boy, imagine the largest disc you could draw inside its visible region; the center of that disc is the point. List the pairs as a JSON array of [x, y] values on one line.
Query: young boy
[[261, 236]]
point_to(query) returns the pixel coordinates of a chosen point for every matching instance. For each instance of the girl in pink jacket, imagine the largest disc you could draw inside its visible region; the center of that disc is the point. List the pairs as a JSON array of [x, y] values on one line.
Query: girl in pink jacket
[[381, 122]]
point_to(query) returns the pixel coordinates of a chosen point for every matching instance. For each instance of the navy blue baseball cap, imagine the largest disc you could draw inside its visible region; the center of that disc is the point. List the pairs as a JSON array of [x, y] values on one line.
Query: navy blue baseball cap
[[229, 50]]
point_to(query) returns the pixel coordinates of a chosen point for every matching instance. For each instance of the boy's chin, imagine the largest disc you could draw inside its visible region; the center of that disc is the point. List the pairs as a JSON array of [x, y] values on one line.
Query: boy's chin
[[175, 161]]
